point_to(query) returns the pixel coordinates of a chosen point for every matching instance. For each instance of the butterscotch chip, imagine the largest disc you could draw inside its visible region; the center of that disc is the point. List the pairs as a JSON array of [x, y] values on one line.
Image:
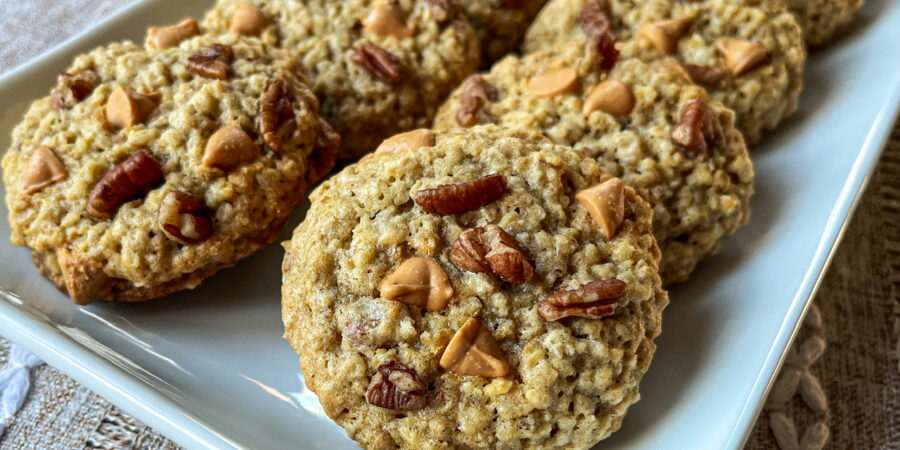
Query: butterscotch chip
[[229, 147], [418, 281], [606, 204], [44, 168], [474, 351], [610, 96], [741, 56], [126, 108], [549, 84], [411, 140], [162, 38], [664, 34], [247, 20], [387, 19]]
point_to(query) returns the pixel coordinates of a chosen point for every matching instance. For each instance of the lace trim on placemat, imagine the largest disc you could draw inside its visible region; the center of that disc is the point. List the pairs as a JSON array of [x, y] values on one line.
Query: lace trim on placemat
[[15, 383]]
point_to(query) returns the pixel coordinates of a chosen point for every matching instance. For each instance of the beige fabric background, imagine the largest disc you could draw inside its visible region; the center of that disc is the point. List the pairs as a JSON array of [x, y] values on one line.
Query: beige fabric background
[[839, 388]]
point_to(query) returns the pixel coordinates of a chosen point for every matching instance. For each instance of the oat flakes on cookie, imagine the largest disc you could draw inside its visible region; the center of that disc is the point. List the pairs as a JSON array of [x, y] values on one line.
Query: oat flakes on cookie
[[749, 54], [476, 288], [643, 122], [147, 169], [378, 66], [822, 20], [500, 24]]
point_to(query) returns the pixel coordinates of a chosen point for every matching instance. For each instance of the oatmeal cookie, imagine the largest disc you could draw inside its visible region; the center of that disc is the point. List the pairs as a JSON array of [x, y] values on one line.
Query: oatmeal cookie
[[643, 122], [147, 170], [378, 66], [477, 288], [822, 20], [749, 53], [500, 24]]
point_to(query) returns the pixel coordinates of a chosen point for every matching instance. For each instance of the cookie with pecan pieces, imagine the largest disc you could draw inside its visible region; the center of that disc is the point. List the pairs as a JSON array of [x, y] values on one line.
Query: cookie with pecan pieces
[[146, 170], [749, 54], [643, 122], [378, 66], [476, 289]]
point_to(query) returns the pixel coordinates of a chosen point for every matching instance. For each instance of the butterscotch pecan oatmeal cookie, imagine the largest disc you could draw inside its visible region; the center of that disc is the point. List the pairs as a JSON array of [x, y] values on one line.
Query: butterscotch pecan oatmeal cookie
[[145, 171], [643, 122], [500, 24], [478, 288], [378, 66], [822, 20], [749, 54]]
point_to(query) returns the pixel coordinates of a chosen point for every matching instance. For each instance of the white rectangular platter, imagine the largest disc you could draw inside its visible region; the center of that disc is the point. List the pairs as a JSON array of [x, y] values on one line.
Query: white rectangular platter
[[209, 367]]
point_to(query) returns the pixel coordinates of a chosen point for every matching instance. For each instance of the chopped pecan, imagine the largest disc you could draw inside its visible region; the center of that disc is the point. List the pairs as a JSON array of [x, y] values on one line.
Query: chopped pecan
[[129, 180], [441, 10], [379, 62], [705, 75], [321, 161], [276, 115], [184, 218], [696, 132], [211, 61], [597, 27], [491, 250], [461, 197], [71, 89], [44, 168], [476, 92], [593, 300], [396, 387]]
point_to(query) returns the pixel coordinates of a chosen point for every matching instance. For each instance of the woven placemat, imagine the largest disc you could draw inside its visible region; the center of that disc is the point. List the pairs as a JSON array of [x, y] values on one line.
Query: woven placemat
[[838, 389]]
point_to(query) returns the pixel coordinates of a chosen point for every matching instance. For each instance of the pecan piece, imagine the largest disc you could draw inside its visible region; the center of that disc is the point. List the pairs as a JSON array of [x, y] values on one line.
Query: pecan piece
[[593, 300], [131, 179], [491, 250], [211, 61], [473, 350], [379, 62], [597, 27], [476, 93], [705, 75], [324, 152], [276, 115], [44, 168], [184, 218], [396, 387], [696, 132], [458, 198], [71, 89]]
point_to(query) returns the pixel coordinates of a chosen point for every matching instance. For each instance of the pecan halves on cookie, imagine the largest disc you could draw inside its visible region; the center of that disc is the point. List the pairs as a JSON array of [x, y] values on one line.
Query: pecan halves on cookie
[[276, 115], [379, 62], [131, 179], [211, 62], [493, 251], [593, 300], [597, 27], [71, 89], [396, 387], [476, 93], [696, 132], [459, 198]]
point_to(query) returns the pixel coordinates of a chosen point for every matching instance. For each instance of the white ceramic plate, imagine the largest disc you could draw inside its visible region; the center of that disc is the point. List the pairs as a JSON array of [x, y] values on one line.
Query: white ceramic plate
[[209, 368]]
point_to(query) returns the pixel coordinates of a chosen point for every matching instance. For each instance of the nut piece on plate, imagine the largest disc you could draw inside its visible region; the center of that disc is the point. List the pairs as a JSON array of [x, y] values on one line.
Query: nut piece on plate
[[593, 300], [211, 61], [418, 281], [387, 19], [474, 351], [605, 202], [162, 38], [44, 168], [379, 62], [125, 108], [184, 218], [229, 147], [741, 56], [276, 115], [396, 387], [611, 97], [705, 75], [664, 34], [696, 132], [247, 20], [130, 180], [553, 83], [411, 140], [459, 198], [71, 89], [476, 93], [491, 250]]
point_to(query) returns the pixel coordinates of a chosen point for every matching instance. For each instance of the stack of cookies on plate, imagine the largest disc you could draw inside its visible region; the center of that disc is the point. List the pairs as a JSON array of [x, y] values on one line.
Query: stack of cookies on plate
[[488, 269]]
